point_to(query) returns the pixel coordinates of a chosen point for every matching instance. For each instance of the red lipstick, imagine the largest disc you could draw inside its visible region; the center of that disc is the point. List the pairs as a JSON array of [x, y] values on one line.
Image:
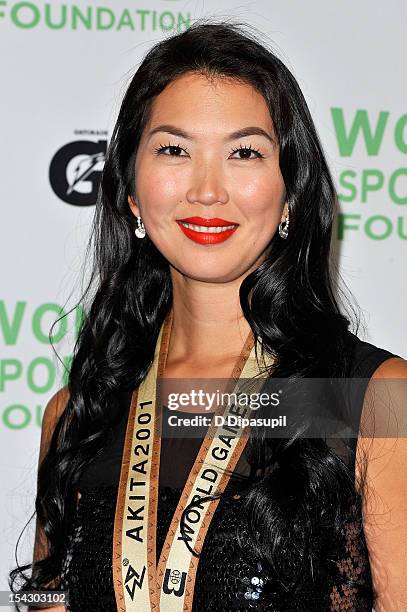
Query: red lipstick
[[198, 234]]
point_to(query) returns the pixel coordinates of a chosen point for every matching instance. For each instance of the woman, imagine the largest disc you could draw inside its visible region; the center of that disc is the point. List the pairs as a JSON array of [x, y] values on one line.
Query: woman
[[214, 133]]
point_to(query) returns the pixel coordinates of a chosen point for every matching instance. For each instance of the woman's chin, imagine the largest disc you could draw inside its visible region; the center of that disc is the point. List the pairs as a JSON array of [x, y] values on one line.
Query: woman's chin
[[209, 274]]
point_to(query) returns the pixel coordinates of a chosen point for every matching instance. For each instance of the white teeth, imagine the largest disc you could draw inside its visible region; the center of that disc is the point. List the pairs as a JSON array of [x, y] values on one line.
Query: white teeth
[[210, 230]]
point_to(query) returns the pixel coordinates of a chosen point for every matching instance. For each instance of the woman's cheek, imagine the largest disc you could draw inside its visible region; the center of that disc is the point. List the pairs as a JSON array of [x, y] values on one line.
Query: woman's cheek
[[158, 196]]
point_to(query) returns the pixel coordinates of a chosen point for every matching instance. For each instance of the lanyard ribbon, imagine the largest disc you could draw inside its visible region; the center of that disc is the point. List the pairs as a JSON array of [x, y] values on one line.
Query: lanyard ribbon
[[140, 583]]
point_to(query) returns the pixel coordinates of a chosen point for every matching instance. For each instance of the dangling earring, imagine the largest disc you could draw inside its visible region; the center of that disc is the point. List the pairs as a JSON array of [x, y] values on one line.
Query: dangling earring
[[140, 231], [283, 231]]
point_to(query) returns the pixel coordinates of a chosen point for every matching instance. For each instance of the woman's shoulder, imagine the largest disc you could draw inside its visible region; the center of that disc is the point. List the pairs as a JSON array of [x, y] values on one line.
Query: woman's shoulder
[[53, 410], [385, 401], [366, 358], [368, 362]]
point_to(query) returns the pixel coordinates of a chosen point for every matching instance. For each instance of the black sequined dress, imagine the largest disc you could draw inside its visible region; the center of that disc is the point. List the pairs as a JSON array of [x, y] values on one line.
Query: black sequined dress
[[229, 576]]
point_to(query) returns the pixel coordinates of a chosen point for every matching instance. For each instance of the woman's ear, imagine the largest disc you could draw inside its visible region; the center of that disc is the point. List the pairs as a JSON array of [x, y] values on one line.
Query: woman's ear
[[133, 206]]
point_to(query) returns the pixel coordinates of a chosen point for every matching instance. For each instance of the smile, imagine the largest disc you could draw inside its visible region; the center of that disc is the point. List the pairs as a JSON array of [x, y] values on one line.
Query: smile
[[207, 235], [210, 230]]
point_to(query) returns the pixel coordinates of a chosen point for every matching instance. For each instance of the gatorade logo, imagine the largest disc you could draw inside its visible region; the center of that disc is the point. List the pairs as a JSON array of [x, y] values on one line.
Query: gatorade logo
[[75, 171]]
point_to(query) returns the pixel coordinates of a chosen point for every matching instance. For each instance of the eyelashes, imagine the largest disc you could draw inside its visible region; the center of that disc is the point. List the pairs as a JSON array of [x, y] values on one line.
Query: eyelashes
[[247, 149]]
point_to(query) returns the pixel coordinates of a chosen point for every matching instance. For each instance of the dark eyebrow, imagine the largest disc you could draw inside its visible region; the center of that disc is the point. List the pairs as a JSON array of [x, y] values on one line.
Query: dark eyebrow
[[248, 131]]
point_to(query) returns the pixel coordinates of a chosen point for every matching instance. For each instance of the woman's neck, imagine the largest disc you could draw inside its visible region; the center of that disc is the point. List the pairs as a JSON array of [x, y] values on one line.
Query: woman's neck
[[208, 322]]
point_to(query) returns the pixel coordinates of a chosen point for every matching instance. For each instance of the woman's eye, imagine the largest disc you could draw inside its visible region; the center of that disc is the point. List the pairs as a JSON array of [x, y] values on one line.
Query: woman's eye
[[174, 150], [247, 151]]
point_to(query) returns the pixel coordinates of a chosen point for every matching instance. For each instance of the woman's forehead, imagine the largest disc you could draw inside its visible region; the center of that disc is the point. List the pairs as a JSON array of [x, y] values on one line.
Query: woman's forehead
[[195, 104]]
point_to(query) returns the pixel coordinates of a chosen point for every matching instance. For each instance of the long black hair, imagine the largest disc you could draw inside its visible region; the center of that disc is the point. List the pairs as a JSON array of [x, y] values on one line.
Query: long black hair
[[290, 302]]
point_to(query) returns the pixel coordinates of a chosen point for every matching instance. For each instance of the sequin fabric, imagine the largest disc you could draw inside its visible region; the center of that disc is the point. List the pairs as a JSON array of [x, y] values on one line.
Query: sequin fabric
[[229, 577]]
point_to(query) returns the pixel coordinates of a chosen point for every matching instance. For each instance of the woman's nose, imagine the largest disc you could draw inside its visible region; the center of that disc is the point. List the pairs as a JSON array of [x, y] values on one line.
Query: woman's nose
[[207, 185]]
